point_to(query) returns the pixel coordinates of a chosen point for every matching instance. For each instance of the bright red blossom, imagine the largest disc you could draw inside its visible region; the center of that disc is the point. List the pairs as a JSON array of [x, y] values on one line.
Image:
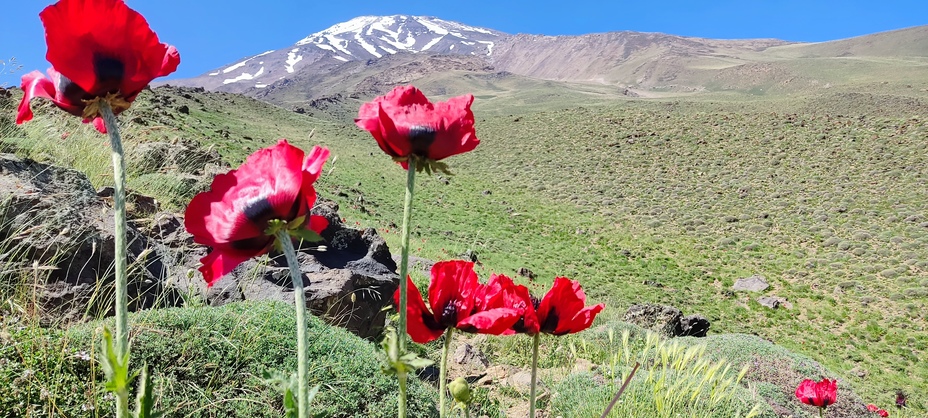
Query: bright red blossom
[[882, 413], [820, 394], [406, 124], [872, 408], [453, 292], [99, 49], [274, 183], [561, 311]]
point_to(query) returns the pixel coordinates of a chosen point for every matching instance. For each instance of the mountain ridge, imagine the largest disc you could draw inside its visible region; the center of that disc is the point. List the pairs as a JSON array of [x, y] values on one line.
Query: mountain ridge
[[638, 63]]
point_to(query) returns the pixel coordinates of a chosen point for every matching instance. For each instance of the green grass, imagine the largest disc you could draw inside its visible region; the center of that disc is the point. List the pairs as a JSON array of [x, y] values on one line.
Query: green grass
[[205, 362]]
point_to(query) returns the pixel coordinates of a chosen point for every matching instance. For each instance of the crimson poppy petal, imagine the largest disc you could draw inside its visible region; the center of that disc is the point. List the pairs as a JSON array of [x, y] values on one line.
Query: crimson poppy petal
[[211, 216], [34, 85], [579, 322], [312, 169], [373, 118], [418, 316], [452, 286], [493, 321], [218, 263], [98, 123], [312, 166], [104, 45], [404, 122], [805, 392], [318, 223], [457, 134]]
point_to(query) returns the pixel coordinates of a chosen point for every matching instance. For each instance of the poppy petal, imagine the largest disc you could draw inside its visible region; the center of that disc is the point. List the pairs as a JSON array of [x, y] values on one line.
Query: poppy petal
[[404, 122], [103, 45], [318, 223], [418, 317], [457, 134], [493, 321], [218, 263], [99, 124], [34, 85], [453, 286], [579, 322]]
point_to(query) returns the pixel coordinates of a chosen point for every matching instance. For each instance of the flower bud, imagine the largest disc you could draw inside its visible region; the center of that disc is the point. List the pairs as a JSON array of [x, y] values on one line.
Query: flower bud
[[460, 390]]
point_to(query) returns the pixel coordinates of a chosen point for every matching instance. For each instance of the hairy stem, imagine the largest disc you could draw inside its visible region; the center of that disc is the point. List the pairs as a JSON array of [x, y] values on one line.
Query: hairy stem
[[531, 395], [443, 373], [121, 250], [404, 269], [299, 298]]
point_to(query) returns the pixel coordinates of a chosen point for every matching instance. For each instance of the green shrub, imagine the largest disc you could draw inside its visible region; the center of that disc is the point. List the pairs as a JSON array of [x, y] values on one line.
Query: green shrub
[[206, 362]]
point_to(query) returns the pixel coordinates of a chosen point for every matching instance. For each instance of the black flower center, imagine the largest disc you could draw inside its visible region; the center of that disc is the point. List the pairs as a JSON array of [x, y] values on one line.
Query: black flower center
[[420, 139], [449, 315], [109, 72], [550, 322], [260, 212]]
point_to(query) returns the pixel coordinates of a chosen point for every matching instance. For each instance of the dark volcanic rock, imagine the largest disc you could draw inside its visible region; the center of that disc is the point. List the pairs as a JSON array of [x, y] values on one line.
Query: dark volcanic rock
[[667, 321], [348, 284], [55, 227], [661, 319]]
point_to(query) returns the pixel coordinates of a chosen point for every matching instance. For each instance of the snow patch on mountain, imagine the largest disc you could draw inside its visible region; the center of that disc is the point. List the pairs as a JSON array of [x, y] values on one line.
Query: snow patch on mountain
[[235, 66], [292, 59], [244, 76]]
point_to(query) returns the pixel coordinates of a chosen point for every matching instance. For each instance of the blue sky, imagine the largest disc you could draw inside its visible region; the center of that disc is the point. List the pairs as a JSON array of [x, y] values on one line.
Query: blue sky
[[212, 33]]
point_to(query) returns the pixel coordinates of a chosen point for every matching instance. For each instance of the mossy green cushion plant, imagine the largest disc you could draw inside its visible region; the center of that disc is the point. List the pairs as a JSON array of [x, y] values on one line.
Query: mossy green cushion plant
[[205, 362]]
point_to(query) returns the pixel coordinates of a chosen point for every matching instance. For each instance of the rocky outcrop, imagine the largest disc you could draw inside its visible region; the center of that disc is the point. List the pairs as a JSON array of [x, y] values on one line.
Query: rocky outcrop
[[348, 284], [56, 235], [667, 321]]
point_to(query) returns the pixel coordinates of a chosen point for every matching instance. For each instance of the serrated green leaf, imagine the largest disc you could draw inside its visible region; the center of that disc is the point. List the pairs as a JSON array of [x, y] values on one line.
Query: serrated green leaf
[[145, 398]]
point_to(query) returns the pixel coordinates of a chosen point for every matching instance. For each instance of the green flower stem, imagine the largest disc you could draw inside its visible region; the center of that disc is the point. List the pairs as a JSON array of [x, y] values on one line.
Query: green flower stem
[[402, 406], [443, 373], [821, 412], [299, 297], [531, 395], [404, 271], [121, 251]]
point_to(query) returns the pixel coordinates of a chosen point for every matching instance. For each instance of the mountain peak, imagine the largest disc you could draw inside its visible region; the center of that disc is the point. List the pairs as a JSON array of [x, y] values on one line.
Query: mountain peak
[[366, 37]]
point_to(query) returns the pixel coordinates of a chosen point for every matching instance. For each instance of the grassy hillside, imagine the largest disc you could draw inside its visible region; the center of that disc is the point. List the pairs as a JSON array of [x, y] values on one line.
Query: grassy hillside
[[664, 201]]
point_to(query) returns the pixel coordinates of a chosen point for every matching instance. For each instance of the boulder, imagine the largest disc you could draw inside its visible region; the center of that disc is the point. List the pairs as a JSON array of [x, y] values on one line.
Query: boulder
[[693, 326], [662, 319], [774, 302], [58, 236], [755, 283], [667, 321], [349, 284]]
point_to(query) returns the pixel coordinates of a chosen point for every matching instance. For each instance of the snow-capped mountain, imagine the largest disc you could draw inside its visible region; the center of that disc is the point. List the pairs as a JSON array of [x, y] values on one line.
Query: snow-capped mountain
[[359, 39], [375, 36]]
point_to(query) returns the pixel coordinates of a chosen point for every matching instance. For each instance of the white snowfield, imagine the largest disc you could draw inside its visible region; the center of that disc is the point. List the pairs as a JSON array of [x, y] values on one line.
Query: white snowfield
[[364, 38]]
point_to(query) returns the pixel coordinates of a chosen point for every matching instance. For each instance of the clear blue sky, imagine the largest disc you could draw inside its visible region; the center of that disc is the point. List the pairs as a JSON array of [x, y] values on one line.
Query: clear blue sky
[[212, 33]]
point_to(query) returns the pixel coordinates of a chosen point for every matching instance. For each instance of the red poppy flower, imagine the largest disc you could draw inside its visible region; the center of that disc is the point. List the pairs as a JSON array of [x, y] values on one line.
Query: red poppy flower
[[820, 394], [882, 413], [233, 217], [407, 125], [561, 311], [501, 291], [452, 299], [872, 408], [99, 50]]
